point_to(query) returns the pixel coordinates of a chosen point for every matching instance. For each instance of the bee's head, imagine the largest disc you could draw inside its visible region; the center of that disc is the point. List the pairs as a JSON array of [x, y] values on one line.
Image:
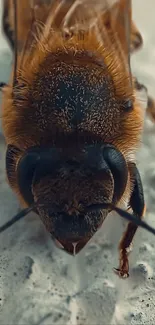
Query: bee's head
[[65, 187]]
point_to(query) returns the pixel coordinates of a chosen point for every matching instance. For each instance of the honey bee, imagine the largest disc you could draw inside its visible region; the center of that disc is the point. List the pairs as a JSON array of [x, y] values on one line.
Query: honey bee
[[71, 119]]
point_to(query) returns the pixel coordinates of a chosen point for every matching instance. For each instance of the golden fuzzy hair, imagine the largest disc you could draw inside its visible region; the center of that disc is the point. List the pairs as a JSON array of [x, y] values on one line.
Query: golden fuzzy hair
[[72, 35]]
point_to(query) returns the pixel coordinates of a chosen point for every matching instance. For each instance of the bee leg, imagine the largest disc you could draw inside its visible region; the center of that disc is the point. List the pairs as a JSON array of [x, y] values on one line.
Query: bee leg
[[138, 206], [139, 86], [136, 40], [150, 109], [2, 84]]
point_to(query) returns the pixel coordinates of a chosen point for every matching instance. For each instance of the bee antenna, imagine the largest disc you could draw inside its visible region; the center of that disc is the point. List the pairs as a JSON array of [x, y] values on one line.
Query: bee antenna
[[124, 214], [2, 84], [16, 44], [16, 218]]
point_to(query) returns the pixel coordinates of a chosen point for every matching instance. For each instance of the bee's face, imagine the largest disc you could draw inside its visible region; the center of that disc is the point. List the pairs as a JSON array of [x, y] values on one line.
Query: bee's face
[[67, 222], [65, 185], [64, 195]]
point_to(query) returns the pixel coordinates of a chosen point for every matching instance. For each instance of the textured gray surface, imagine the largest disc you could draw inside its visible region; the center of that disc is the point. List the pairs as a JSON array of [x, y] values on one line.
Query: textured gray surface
[[40, 285]]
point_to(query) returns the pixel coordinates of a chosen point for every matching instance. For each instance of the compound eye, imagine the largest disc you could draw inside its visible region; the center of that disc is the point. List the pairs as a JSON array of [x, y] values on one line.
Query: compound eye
[[21, 173], [25, 173], [27, 168], [118, 167]]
